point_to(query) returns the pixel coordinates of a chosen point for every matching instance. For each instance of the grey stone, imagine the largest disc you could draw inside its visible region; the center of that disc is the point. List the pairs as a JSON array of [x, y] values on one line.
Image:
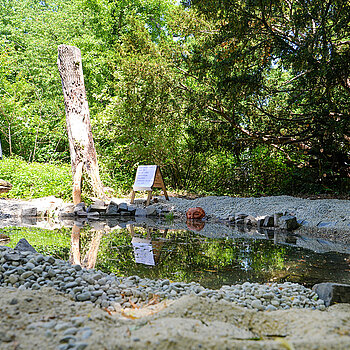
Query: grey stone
[[132, 209], [250, 221], [12, 257], [261, 222], [257, 304], [27, 274], [62, 326], [68, 339], [29, 211], [151, 210], [326, 224], [71, 331], [269, 221], [240, 216], [288, 222], [83, 296], [78, 320], [112, 209], [123, 207], [276, 217], [332, 293], [80, 346], [13, 279], [80, 206], [140, 212], [270, 308]]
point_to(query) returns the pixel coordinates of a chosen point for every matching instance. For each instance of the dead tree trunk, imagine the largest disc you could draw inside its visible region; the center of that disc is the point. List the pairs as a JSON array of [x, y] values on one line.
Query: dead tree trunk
[[81, 143]]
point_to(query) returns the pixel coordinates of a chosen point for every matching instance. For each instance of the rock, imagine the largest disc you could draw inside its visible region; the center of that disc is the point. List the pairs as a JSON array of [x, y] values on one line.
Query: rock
[[269, 221], [257, 304], [250, 221], [99, 203], [67, 211], [123, 207], [276, 217], [332, 293], [112, 209], [12, 257], [240, 216], [80, 206], [140, 212], [81, 213], [288, 222], [29, 211], [260, 221], [24, 246], [98, 206], [132, 209], [83, 296], [326, 224], [151, 210]]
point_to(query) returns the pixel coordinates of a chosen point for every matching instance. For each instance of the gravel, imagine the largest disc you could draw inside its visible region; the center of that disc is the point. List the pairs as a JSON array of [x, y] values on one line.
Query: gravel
[[35, 271], [327, 213]]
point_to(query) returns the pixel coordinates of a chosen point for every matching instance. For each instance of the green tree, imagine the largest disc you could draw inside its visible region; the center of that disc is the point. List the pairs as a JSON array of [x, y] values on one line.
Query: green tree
[[277, 72]]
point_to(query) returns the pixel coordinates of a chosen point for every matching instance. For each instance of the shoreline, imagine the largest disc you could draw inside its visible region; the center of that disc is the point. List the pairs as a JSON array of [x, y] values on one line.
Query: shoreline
[[48, 315], [44, 317]]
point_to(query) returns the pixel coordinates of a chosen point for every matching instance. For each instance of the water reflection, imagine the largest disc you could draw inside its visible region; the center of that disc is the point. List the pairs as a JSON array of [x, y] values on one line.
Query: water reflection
[[90, 258], [146, 250], [213, 256]]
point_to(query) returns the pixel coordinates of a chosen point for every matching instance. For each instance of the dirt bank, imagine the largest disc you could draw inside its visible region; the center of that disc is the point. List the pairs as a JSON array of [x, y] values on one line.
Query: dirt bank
[[48, 320]]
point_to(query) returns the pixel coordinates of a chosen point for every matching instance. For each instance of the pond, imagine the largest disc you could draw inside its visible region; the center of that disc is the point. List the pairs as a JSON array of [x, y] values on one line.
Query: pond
[[212, 260]]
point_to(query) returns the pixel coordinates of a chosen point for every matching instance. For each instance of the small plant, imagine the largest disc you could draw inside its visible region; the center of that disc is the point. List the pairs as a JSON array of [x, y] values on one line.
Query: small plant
[[169, 217]]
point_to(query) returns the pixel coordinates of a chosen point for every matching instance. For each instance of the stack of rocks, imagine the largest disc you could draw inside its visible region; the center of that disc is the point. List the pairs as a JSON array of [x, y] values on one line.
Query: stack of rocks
[[283, 221], [99, 209]]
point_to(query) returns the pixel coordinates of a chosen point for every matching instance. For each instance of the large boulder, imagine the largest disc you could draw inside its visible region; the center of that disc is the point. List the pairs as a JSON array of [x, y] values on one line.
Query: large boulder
[[332, 293]]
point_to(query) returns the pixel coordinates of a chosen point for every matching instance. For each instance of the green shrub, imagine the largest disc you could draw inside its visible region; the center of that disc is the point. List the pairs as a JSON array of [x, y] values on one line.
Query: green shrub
[[34, 180]]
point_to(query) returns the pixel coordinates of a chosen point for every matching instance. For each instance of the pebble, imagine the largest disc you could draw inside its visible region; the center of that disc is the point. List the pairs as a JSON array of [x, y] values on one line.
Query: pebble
[[34, 271]]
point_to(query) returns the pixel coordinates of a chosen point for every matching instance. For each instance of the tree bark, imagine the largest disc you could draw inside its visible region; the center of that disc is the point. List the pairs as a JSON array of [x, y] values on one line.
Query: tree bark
[[81, 143]]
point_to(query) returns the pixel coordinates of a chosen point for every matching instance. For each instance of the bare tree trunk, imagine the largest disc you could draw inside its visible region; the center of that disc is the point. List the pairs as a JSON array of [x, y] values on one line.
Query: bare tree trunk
[[81, 143], [74, 256], [90, 258]]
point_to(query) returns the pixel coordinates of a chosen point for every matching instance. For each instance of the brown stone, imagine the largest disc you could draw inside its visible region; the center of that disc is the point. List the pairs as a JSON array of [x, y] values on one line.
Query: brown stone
[[195, 225], [195, 213]]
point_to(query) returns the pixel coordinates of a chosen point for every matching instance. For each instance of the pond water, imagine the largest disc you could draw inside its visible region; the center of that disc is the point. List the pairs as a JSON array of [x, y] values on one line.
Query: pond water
[[184, 255]]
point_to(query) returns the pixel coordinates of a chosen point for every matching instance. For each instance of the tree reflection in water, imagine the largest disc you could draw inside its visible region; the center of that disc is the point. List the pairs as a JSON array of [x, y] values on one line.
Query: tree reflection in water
[[188, 256]]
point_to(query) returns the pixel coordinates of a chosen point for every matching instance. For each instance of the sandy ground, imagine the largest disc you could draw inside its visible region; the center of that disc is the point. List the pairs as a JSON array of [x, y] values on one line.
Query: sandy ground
[[188, 323]]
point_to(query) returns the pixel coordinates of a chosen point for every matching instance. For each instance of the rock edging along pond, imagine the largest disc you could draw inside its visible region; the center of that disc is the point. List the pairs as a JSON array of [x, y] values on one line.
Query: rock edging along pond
[[320, 214], [23, 268]]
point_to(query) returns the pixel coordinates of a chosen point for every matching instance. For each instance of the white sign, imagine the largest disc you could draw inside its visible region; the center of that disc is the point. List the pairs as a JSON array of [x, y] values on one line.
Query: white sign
[[145, 177], [143, 253]]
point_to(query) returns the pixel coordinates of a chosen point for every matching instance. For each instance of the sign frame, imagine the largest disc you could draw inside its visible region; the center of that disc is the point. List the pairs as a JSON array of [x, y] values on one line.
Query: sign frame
[[147, 178]]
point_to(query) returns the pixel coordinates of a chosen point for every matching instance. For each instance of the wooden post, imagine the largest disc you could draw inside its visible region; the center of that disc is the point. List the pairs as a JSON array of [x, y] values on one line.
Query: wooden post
[[149, 197], [81, 143]]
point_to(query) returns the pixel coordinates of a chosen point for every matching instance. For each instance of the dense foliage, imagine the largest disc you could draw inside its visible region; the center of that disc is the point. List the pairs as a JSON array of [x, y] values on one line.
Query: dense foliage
[[35, 180], [229, 97]]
